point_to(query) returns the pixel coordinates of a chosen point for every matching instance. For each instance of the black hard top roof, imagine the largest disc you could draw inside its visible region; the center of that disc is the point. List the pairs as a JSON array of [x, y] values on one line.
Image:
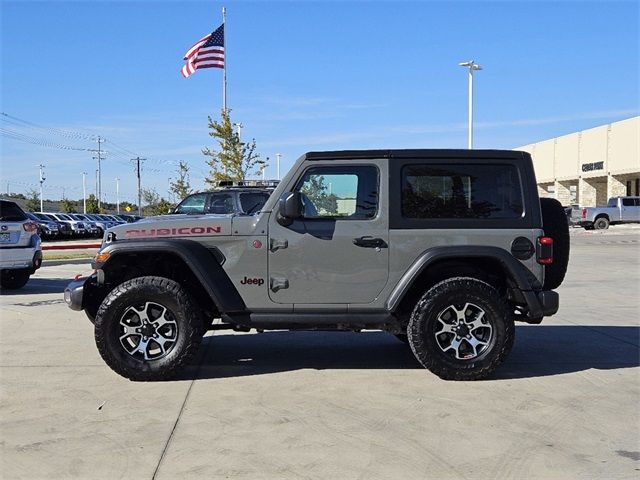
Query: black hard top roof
[[413, 153]]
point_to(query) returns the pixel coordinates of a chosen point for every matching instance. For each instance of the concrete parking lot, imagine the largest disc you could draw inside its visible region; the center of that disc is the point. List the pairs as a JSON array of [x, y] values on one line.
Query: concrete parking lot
[[333, 405]]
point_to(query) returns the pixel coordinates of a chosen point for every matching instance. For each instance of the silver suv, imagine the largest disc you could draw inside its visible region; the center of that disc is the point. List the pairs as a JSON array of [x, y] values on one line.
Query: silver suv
[[443, 248], [20, 251]]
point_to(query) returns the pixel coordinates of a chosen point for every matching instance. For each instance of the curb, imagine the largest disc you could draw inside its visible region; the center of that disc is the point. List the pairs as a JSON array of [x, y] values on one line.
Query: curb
[[78, 246], [69, 261]]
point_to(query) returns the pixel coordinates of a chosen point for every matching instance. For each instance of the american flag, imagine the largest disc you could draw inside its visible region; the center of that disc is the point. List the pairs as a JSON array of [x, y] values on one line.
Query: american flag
[[208, 52]]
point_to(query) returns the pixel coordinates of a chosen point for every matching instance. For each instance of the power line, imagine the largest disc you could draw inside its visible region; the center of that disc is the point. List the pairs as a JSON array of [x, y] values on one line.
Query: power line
[[36, 141]]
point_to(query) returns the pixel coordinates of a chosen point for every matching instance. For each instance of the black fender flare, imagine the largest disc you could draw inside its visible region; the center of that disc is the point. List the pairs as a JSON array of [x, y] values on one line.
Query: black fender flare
[[205, 263], [521, 277]]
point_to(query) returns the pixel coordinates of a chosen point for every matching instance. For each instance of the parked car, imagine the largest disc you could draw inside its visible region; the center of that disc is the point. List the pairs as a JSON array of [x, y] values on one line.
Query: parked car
[[444, 249], [115, 220], [20, 250], [238, 199], [64, 228], [77, 227], [47, 229], [618, 210], [128, 218], [90, 226]]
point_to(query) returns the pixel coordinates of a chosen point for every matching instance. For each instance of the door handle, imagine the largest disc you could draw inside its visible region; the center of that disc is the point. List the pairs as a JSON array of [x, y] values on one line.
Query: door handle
[[369, 242]]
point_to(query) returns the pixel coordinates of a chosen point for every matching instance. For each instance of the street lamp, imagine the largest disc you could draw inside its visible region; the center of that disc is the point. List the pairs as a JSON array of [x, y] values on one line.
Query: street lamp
[[471, 65], [239, 127]]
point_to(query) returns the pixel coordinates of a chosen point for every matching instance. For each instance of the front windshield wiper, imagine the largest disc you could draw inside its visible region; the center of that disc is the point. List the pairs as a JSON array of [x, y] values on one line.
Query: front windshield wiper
[[252, 209]]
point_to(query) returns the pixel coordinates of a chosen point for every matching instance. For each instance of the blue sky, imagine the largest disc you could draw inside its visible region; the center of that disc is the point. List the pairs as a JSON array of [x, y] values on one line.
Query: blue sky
[[302, 76]]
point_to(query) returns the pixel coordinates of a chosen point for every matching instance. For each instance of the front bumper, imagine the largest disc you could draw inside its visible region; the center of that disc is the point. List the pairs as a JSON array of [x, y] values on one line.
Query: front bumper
[[74, 292]]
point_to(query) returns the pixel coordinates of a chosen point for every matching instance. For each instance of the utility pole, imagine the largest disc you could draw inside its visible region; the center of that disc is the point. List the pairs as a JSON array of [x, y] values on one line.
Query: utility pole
[[118, 195], [99, 158], [96, 193], [84, 192], [138, 160], [264, 169], [278, 155], [42, 179]]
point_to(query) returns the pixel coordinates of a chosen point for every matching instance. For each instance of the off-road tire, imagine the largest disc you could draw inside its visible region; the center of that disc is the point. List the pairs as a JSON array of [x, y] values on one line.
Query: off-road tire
[[556, 226], [601, 223], [14, 279], [423, 325], [148, 289], [402, 337]]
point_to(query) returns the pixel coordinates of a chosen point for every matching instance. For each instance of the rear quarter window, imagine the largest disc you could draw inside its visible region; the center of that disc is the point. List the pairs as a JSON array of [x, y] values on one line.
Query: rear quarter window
[[10, 212], [461, 191]]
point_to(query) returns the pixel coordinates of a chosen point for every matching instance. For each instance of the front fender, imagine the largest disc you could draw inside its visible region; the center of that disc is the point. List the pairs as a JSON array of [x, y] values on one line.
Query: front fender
[[204, 263]]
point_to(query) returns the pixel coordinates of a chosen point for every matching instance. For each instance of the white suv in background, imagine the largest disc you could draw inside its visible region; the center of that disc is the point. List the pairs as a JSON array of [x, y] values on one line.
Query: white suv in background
[[20, 251]]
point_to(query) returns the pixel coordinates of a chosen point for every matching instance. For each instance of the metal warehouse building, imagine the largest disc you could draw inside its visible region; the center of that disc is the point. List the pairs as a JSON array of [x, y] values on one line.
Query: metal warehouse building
[[589, 167]]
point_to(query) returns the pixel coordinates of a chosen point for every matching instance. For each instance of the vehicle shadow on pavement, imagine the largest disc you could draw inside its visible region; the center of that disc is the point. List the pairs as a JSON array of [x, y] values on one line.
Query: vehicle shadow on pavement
[[539, 351], [40, 285], [544, 350], [272, 352]]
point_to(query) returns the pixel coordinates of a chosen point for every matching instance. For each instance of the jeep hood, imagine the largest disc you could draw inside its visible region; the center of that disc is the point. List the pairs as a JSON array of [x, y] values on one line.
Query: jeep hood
[[179, 226]]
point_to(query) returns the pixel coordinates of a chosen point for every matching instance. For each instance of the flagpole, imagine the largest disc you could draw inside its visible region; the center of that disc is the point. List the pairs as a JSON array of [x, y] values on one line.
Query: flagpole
[[224, 73]]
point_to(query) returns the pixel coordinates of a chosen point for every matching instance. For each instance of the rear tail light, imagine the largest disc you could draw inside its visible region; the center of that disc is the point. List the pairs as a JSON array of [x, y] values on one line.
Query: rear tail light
[[544, 251], [584, 213], [30, 227]]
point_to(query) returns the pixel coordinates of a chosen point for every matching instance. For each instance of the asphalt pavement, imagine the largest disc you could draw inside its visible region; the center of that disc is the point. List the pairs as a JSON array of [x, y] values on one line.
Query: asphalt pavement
[[282, 405]]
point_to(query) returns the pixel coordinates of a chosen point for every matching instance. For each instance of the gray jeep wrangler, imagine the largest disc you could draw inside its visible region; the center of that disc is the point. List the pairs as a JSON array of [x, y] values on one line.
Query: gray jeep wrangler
[[443, 248]]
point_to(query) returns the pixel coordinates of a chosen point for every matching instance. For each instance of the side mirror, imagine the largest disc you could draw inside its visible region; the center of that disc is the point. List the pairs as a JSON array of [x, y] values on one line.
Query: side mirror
[[290, 207]]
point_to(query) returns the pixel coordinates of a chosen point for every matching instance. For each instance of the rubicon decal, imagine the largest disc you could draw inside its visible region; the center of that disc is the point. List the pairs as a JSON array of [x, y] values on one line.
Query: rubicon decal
[[170, 232], [252, 281]]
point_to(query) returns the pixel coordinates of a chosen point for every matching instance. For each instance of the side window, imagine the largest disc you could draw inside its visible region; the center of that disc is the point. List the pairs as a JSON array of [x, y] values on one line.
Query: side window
[[221, 203], [461, 191], [628, 202], [192, 204], [251, 202], [349, 193]]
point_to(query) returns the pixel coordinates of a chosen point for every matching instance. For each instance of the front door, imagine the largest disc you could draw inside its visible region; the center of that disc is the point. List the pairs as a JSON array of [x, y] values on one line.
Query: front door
[[338, 252]]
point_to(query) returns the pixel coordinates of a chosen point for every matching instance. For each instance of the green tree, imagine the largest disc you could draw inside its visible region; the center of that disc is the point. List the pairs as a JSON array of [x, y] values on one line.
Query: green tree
[[181, 186], [316, 190], [128, 207], [92, 204], [232, 160], [68, 206], [153, 204], [33, 201]]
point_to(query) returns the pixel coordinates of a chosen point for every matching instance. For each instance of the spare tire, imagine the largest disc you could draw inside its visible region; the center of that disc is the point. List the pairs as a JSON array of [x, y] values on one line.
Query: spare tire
[[556, 226]]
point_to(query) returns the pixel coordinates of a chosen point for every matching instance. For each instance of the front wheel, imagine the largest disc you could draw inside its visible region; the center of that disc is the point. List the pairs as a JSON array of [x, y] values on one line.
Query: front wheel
[[148, 328], [461, 329]]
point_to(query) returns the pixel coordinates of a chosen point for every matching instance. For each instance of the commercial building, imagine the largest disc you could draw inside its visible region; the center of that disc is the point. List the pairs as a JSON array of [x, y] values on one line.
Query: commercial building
[[589, 167]]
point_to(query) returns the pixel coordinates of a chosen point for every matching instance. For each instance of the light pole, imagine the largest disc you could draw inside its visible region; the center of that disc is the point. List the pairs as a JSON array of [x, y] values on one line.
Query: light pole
[[278, 155], [239, 127], [42, 179], [118, 195], [84, 192], [471, 65]]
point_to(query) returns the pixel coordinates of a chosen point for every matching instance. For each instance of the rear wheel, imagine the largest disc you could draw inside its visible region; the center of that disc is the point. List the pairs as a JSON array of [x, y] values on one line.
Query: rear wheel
[[148, 328], [601, 223], [461, 329], [14, 279]]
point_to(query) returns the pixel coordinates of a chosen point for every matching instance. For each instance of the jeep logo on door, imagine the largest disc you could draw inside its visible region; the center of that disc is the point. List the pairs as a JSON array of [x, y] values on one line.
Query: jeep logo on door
[[252, 281]]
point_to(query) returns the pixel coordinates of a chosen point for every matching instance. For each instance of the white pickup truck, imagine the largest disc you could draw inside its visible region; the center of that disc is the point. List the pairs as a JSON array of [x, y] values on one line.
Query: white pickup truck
[[618, 210]]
